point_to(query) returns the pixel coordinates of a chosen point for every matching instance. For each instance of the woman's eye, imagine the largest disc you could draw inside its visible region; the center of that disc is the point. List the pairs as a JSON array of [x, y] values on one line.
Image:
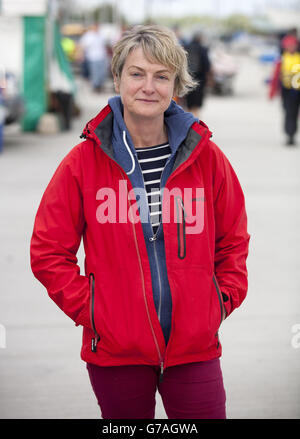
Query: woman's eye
[[163, 77]]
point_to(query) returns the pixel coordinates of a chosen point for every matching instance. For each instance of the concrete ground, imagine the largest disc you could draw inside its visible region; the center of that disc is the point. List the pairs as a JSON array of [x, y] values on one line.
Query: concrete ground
[[41, 373]]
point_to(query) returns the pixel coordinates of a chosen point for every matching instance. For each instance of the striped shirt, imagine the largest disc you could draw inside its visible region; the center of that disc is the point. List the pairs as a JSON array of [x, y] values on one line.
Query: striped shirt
[[152, 161]]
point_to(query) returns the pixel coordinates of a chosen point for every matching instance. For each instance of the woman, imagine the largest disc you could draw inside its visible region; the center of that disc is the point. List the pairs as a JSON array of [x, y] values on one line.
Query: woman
[[163, 222]]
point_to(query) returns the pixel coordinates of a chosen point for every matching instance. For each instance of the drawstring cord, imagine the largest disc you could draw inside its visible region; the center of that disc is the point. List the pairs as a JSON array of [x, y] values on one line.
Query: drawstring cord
[[130, 153]]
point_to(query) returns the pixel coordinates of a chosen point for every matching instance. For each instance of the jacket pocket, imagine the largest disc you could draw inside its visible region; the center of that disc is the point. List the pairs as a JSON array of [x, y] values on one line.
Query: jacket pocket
[[180, 219], [96, 337], [220, 299]]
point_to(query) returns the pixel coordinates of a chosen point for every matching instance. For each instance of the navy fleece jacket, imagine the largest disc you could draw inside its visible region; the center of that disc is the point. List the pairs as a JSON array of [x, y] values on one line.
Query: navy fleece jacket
[[178, 123]]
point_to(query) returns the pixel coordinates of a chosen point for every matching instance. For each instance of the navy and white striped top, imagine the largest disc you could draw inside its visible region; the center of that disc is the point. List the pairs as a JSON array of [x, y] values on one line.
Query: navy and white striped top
[[152, 161]]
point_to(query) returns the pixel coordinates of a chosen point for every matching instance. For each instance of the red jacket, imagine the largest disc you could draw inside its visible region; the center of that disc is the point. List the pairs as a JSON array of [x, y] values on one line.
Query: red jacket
[[274, 88], [113, 300]]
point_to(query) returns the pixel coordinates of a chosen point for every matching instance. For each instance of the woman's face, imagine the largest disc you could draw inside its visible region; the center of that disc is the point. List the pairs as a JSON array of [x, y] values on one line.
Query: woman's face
[[146, 88]]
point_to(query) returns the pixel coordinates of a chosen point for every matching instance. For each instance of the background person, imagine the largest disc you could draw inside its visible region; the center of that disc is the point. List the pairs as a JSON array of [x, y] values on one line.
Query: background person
[[286, 81], [93, 45], [199, 67], [157, 283]]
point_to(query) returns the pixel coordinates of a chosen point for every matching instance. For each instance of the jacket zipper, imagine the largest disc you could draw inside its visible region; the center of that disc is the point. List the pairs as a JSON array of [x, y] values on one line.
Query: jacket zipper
[[92, 309], [153, 239], [161, 360], [180, 212]]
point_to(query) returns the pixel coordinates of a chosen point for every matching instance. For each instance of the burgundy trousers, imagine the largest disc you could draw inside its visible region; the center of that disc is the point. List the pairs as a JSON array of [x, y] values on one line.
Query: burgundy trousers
[[188, 391]]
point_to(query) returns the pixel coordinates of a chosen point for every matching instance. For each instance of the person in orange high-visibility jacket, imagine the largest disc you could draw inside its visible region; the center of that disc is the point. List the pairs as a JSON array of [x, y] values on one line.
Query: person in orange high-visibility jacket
[[286, 82]]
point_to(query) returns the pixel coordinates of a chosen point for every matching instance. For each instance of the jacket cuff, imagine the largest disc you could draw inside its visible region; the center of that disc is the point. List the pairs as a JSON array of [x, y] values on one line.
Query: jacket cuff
[[84, 318], [227, 304]]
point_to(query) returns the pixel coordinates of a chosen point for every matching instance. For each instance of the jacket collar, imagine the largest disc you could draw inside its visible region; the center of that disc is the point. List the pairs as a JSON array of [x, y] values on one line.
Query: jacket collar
[[185, 132]]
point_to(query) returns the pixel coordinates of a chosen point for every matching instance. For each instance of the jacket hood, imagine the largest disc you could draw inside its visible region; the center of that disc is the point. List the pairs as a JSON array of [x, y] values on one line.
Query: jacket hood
[[108, 129], [177, 121]]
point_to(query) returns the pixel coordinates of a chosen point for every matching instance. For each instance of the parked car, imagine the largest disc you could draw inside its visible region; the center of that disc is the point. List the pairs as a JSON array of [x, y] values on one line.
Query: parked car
[[12, 100], [224, 70]]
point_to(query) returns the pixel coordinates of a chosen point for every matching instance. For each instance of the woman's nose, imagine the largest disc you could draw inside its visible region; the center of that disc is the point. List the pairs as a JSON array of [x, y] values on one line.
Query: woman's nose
[[148, 86]]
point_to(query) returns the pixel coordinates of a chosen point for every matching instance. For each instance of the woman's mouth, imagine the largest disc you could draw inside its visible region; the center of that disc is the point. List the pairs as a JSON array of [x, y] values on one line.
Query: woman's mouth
[[148, 101]]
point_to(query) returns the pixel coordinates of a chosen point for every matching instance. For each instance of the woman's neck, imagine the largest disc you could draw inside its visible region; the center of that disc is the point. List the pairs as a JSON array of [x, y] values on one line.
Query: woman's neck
[[147, 133]]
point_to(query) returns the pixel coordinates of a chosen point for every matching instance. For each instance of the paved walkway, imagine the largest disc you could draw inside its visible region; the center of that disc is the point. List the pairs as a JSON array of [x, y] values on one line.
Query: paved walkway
[[41, 374]]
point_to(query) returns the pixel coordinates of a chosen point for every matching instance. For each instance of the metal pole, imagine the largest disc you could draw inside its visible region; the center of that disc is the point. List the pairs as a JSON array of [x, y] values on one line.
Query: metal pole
[[147, 10], [116, 12], [2, 116]]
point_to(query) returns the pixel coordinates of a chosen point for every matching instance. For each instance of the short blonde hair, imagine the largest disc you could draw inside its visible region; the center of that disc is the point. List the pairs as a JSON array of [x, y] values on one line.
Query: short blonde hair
[[159, 44]]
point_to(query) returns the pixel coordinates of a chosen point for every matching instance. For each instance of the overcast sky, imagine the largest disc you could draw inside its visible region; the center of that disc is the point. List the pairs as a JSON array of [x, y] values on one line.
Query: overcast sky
[[135, 10]]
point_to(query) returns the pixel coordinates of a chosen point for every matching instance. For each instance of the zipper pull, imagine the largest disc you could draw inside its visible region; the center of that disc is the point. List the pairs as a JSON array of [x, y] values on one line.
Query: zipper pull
[[154, 237], [161, 372], [182, 206], [94, 345]]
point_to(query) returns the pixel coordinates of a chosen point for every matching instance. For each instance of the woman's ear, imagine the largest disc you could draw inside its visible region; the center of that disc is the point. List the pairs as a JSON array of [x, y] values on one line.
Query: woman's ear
[[116, 84]]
